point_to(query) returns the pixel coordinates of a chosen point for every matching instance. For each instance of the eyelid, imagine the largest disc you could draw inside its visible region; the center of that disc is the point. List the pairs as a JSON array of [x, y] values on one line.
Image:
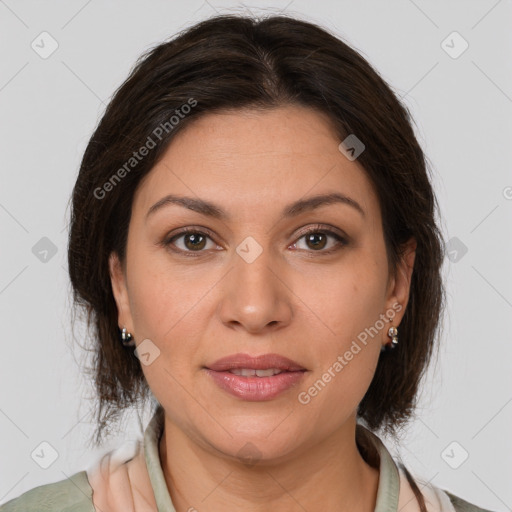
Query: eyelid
[[324, 228], [189, 229]]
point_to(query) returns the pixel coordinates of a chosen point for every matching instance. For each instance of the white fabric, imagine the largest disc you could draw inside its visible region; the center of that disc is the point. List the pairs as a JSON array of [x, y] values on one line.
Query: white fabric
[[436, 500]]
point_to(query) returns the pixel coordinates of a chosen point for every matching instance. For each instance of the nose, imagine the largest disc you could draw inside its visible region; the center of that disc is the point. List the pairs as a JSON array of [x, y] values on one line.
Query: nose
[[255, 296]]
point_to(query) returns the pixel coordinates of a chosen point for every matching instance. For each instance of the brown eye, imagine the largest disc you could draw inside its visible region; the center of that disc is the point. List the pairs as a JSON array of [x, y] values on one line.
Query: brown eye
[[188, 241], [317, 239], [194, 241]]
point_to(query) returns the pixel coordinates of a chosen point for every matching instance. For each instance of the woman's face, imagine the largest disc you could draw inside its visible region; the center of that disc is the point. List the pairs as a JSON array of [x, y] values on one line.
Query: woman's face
[[250, 280]]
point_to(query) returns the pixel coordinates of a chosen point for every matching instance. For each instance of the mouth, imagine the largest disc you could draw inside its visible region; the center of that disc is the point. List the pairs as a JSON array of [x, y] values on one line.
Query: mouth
[[254, 388], [265, 365], [251, 372], [255, 378]]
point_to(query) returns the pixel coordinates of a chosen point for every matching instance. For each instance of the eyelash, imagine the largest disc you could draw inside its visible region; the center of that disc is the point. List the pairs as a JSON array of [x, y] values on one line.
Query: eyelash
[[342, 241]]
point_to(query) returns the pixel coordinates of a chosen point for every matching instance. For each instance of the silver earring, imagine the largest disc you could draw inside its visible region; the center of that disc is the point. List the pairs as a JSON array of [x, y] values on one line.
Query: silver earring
[[393, 334], [126, 338]]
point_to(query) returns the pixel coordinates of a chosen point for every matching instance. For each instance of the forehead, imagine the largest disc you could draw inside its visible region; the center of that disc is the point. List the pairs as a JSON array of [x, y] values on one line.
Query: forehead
[[252, 160]]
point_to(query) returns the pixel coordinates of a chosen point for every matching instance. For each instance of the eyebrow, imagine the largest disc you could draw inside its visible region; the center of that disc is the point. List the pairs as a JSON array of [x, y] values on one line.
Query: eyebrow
[[296, 208]]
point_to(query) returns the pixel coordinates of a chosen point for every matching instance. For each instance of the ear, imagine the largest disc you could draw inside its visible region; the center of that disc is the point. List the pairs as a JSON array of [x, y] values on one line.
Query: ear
[[120, 291], [400, 284]]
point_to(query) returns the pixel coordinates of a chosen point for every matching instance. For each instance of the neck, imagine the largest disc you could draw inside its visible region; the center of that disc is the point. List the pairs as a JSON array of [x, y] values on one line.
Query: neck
[[330, 475]]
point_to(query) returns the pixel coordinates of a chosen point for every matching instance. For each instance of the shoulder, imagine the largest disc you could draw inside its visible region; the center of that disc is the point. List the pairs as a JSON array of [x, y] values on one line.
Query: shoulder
[[461, 505], [73, 494], [437, 499]]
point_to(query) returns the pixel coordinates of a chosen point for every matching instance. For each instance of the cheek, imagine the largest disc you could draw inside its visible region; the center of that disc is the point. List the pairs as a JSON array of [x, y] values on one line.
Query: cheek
[[349, 305], [164, 308], [162, 300], [163, 312], [346, 299], [151, 302]]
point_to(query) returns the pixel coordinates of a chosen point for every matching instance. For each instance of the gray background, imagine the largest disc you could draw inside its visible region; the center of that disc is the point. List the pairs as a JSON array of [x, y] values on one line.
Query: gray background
[[462, 108]]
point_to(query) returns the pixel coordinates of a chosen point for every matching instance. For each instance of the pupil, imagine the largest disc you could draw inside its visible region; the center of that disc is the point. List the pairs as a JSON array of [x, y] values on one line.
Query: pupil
[[313, 237], [194, 238]]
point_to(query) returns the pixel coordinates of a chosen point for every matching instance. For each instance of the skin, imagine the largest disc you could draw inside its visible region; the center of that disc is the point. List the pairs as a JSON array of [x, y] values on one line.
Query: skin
[[292, 300]]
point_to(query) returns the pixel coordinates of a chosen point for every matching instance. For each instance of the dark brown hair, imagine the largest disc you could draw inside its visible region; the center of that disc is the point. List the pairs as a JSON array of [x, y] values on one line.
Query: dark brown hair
[[232, 62]]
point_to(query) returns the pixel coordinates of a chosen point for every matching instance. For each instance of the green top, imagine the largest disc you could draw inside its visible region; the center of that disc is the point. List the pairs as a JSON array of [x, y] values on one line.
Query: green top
[[74, 494]]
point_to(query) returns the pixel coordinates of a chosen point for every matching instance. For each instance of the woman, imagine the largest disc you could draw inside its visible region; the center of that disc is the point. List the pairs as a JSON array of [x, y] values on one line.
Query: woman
[[253, 238]]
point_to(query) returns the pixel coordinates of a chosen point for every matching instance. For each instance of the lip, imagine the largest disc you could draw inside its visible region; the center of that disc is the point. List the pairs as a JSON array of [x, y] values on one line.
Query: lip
[[261, 362], [255, 388]]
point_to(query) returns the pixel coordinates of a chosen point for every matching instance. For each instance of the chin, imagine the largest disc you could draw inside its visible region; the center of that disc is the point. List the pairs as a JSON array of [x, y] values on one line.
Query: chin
[[253, 448]]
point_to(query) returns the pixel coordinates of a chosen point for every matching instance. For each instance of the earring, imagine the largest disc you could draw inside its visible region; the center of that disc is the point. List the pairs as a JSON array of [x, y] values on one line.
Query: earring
[[126, 338], [393, 334]]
